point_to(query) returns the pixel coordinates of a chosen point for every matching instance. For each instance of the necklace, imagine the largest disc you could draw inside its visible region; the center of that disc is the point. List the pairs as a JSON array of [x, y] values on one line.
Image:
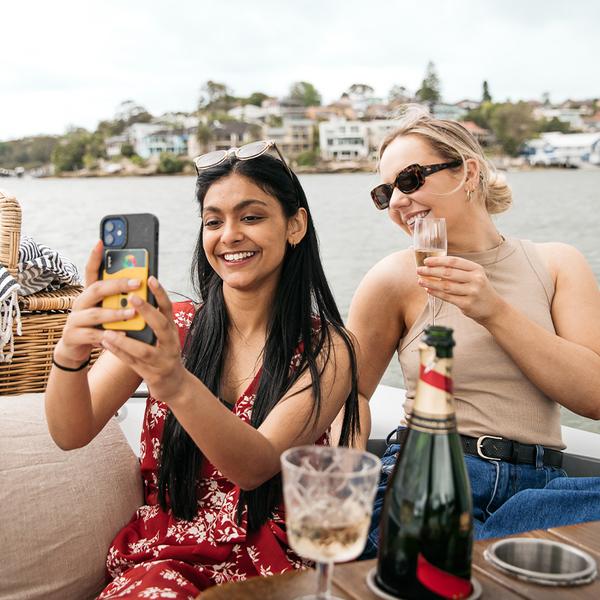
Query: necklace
[[488, 268]]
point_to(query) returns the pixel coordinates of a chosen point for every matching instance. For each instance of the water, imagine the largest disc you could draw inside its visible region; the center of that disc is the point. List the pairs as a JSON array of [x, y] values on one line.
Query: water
[[551, 205]]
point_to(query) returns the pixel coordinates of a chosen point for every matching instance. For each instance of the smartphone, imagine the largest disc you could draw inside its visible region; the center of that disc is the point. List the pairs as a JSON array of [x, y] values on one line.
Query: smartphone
[[130, 252]]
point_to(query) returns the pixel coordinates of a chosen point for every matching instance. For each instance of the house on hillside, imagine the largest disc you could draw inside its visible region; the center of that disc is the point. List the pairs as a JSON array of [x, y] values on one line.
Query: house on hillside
[[114, 144], [563, 149], [222, 136], [293, 137], [164, 140], [352, 140], [484, 136]]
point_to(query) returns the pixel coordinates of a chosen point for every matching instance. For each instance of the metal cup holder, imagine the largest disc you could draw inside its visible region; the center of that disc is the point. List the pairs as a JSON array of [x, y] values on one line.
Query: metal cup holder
[[542, 561]]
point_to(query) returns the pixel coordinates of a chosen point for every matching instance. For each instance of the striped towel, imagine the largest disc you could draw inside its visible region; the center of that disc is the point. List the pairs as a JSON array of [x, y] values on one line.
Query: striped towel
[[40, 268]]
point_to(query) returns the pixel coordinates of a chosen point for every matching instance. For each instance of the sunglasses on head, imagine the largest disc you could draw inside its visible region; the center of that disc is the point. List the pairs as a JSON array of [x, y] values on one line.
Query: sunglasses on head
[[245, 152], [407, 181]]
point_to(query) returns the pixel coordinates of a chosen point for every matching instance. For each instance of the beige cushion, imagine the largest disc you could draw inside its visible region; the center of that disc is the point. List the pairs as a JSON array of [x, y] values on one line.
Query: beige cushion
[[59, 510]]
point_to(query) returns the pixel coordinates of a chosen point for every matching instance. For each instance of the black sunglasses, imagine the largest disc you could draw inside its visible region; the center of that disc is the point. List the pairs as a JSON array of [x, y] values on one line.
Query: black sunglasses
[[407, 181]]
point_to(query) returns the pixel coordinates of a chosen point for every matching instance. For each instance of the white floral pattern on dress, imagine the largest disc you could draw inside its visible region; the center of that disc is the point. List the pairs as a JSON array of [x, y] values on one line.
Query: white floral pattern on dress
[[160, 556]]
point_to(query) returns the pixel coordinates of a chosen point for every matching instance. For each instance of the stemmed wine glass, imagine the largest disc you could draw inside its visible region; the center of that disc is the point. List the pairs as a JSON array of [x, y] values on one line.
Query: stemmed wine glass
[[429, 239], [328, 494]]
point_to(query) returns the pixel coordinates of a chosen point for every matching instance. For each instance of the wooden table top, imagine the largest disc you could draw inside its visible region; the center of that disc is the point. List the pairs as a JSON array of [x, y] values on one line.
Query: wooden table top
[[349, 579]]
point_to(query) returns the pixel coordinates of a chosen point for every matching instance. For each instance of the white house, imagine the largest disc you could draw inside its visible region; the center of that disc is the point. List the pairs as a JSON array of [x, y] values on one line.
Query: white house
[[352, 140], [138, 136], [164, 140], [566, 149]]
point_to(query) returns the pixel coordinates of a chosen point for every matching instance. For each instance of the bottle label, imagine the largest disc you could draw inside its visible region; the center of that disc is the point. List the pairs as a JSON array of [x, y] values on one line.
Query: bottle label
[[433, 409], [442, 583], [436, 379]]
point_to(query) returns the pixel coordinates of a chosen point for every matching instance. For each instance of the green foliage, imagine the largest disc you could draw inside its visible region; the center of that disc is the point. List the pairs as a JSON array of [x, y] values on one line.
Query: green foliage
[[137, 160], [307, 159], [255, 98], [169, 163], [204, 134], [274, 121], [481, 115], [78, 149], [306, 93], [30, 152], [485, 95], [127, 150], [553, 124], [430, 86], [215, 96], [512, 124]]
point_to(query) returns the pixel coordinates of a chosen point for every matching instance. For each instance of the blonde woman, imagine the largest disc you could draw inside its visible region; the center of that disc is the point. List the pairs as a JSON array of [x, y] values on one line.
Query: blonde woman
[[526, 316]]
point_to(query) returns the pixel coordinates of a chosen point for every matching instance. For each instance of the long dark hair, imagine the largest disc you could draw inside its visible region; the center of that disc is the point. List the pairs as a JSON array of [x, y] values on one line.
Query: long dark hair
[[302, 295]]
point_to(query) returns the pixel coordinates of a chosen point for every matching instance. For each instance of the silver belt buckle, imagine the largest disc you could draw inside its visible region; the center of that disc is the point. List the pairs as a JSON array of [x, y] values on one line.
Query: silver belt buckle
[[480, 440]]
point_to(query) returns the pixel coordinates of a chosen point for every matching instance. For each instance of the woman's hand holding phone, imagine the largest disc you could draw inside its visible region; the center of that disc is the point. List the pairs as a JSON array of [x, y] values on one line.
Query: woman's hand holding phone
[[81, 332], [159, 365]]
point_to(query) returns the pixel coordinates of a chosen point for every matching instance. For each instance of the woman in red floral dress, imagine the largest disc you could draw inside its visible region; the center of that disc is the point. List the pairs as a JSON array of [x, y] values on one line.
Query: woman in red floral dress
[[263, 365]]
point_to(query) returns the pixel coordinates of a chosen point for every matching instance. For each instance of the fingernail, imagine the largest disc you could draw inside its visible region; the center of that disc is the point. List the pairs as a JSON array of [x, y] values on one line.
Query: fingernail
[[135, 300], [153, 281], [134, 283], [128, 313]]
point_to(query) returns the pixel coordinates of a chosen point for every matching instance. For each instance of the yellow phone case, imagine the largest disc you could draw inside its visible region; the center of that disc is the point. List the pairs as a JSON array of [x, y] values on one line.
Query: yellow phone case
[[120, 301]]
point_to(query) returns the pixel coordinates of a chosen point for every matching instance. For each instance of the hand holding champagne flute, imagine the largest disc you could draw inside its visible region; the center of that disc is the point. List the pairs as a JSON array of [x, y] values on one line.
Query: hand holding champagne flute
[[429, 239]]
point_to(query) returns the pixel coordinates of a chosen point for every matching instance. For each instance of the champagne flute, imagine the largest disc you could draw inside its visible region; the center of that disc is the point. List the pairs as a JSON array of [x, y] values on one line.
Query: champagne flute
[[328, 494], [429, 239]]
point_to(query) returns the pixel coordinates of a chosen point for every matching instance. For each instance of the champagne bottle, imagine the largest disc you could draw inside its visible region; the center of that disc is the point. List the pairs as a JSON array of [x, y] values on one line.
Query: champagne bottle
[[426, 523]]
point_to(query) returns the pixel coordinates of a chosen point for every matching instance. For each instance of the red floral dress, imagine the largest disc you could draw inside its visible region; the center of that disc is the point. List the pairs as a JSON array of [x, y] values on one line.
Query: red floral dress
[[159, 556]]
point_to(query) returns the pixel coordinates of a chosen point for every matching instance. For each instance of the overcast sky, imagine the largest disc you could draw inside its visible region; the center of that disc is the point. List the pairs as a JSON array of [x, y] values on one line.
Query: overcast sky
[[69, 62]]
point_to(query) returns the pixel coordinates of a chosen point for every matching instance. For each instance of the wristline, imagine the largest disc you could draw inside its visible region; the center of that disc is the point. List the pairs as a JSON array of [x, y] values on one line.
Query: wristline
[[71, 369]]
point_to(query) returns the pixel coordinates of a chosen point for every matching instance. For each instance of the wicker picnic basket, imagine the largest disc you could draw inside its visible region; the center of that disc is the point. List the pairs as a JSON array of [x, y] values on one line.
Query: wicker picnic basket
[[43, 314]]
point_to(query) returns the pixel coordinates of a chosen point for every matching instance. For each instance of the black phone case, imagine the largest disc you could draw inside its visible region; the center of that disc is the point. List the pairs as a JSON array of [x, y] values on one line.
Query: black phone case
[[142, 232]]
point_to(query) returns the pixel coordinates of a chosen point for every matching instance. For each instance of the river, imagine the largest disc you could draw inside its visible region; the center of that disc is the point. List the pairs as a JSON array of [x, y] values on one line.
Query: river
[[551, 205]]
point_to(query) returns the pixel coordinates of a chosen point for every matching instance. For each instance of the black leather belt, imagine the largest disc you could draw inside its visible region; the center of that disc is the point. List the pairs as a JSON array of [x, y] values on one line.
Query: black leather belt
[[491, 447]]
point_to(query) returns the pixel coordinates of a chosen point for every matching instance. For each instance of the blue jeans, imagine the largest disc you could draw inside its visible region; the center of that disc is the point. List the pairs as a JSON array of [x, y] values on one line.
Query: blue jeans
[[493, 482]]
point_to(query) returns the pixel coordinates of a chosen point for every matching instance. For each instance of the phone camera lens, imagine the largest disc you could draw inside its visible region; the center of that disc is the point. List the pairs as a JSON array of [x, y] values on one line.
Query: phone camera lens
[[108, 239], [109, 226], [124, 302]]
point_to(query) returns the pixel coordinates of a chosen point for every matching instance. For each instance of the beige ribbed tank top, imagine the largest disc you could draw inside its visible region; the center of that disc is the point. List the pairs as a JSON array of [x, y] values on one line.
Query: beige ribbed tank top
[[492, 395]]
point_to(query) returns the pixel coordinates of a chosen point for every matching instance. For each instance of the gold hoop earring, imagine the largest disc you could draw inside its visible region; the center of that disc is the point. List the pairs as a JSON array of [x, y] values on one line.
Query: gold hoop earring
[[469, 195]]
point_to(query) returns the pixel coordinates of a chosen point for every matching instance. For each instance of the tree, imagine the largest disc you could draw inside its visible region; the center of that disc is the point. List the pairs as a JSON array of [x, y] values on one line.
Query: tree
[[169, 163], [398, 95], [430, 86], [204, 135], [68, 155], [512, 124], [306, 93], [256, 98], [215, 96], [553, 124], [127, 150], [486, 96], [360, 89]]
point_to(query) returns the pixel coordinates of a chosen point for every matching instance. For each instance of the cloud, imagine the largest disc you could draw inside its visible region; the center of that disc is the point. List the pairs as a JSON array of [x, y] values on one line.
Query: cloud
[[73, 62]]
